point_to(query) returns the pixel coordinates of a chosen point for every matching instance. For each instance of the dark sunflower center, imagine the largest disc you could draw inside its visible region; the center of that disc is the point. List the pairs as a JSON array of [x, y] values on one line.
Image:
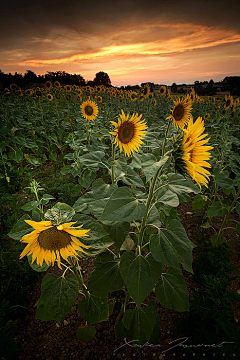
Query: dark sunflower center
[[178, 112], [88, 110], [126, 132], [227, 102], [161, 91], [54, 239]]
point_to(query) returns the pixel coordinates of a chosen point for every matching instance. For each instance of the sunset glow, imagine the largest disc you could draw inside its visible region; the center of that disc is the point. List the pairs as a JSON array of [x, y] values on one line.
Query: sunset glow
[[161, 51]]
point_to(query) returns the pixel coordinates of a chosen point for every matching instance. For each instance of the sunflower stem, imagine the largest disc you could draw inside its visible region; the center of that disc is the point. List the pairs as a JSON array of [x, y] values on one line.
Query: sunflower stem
[[148, 205], [166, 134], [113, 156], [79, 276]]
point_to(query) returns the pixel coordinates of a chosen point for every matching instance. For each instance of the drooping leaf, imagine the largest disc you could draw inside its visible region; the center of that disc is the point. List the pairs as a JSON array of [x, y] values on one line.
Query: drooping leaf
[[172, 290], [172, 247], [58, 295], [139, 274]]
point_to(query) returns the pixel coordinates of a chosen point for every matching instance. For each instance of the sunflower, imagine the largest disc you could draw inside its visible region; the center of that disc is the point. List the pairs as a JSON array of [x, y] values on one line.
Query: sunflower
[[146, 91], [89, 110], [68, 88], [206, 116], [47, 242], [180, 113], [48, 84], [162, 90], [79, 98], [57, 84], [133, 95], [195, 152], [228, 102], [154, 102], [49, 97], [129, 132], [99, 98]]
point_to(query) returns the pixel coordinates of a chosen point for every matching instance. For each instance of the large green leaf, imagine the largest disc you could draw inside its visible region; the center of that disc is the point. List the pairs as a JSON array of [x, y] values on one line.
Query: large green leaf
[[199, 201], [94, 309], [123, 206], [172, 290], [86, 333], [150, 166], [37, 267], [92, 159], [106, 278], [58, 296], [118, 233], [98, 239], [139, 274], [87, 178], [60, 213], [170, 198], [178, 184], [217, 209], [21, 228], [172, 247], [141, 322], [127, 175]]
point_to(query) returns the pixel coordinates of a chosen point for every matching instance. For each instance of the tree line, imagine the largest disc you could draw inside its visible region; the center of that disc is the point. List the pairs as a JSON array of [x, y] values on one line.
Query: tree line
[[101, 78]]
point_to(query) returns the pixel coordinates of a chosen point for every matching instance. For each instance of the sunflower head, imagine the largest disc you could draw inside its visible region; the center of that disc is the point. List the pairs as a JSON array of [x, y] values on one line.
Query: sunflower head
[[146, 91], [206, 116], [89, 110], [228, 102], [57, 84], [49, 97], [129, 132], [181, 113], [195, 156], [68, 88], [47, 242], [48, 85], [162, 90]]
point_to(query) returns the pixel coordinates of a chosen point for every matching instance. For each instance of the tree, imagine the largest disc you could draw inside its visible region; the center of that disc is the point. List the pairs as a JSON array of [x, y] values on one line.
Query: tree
[[102, 78], [174, 88]]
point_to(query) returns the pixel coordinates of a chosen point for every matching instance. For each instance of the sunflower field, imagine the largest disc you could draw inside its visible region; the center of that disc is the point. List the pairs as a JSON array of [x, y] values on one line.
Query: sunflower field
[[99, 173]]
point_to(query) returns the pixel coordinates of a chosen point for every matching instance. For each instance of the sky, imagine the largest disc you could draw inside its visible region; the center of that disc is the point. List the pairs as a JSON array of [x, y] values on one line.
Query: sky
[[133, 41]]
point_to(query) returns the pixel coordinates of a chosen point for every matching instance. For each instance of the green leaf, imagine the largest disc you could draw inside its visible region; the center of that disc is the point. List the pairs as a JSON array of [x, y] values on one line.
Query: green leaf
[[103, 258], [31, 205], [118, 233], [37, 267], [120, 330], [86, 333], [46, 198], [66, 170], [217, 209], [141, 322], [172, 290], [139, 274], [53, 156], [222, 179], [21, 228], [237, 206], [98, 239], [123, 206], [58, 295], [127, 175], [179, 184], [60, 213], [92, 159], [172, 246], [217, 240], [199, 201], [150, 166], [87, 178], [169, 198], [106, 278], [95, 308]]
